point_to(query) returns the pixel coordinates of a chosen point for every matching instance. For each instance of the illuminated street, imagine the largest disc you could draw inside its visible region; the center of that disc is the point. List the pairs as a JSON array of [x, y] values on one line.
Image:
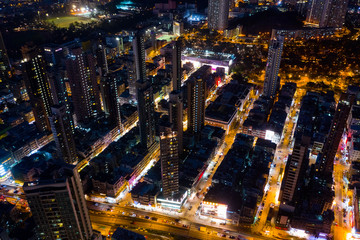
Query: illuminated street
[[109, 220]]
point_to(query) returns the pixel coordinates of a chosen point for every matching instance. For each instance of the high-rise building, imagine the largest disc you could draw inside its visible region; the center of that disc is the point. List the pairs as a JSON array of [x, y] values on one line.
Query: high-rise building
[[54, 56], [337, 13], [176, 66], [218, 14], [63, 133], [153, 40], [301, 7], [178, 28], [139, 53], [5, 68], [169, 157], [57, 85], [327, 13], [326, 163], [196, 97], [58, 205], [84, 89], [110, 99], [272, 80], [131, 75], [101, 59], [295, 167], [38, 88], [176, 116], [94, 90], [146, 112]]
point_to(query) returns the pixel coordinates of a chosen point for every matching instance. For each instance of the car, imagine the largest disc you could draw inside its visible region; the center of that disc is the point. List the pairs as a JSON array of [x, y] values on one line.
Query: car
[[223, 223], [185, 226], [16, 191], [132, 222], [154, 219], [224, 235], [232, 237], [147, 217]]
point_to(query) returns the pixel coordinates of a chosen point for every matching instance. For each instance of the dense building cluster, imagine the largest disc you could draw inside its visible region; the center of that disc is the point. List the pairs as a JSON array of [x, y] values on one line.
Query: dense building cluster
[[146, 116]]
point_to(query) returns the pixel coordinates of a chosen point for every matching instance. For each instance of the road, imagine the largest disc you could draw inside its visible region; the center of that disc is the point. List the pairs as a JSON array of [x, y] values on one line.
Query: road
[[202, 186], [341, 206], [129, 217], [270, 199]]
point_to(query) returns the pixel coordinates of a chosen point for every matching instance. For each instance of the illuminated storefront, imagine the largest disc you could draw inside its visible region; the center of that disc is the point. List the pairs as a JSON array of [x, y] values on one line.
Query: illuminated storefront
[[215, 210]]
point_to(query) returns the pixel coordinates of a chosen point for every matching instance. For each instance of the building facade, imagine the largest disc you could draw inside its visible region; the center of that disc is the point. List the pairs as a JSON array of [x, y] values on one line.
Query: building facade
[[58, 205], [327, 13], [176, 66], [295, 163], [38, 88], [139, 54], [169, 156], [272, 80], [196, 95], [146, 112], [218, 14], [110, 99], [176, 116], [84, 89], [326, 163], [63, 134], [5, 68]]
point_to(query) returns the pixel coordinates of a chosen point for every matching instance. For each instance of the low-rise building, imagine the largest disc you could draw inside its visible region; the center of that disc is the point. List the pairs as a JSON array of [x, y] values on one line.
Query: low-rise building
[[224, 110], [239, 181]]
